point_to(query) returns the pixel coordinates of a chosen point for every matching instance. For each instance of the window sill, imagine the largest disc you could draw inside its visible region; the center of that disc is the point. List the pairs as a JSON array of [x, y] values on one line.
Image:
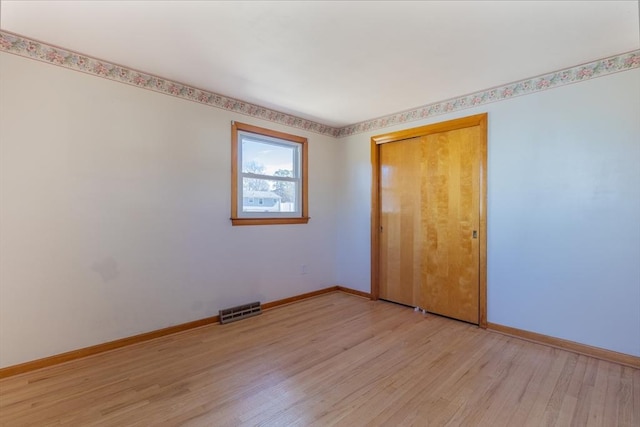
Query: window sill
[[269, 221]]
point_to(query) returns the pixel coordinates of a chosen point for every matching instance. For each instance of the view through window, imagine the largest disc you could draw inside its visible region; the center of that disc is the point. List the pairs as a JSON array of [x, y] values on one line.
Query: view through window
[[270, 174], [270, 170]]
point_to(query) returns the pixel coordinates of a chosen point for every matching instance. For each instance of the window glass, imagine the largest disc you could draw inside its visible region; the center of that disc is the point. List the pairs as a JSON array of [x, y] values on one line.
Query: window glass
[[269, 177]]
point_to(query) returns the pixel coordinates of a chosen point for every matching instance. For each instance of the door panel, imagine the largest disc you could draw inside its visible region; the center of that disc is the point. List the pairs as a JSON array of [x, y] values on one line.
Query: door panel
[[429, 208], [450, 205], [400, 217]]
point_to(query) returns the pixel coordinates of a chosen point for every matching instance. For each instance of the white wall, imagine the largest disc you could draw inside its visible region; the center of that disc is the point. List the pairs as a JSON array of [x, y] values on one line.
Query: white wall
[[114, 207], [114, 214], [563, 211]]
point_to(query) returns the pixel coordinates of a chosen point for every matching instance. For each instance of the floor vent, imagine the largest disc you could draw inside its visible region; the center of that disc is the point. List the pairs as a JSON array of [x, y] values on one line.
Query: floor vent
[[232, 314]]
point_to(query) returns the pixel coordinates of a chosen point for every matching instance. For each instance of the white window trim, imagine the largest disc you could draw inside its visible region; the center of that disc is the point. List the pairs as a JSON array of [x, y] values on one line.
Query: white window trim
[[297, 172]]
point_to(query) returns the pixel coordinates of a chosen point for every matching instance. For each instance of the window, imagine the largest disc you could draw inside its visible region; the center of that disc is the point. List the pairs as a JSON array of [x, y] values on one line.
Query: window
[[269, 177]]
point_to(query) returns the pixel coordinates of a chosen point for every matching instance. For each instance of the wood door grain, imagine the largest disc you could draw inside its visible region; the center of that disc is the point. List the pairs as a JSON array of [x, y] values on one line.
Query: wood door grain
[[450, 214], [453, 190], [401, 168]]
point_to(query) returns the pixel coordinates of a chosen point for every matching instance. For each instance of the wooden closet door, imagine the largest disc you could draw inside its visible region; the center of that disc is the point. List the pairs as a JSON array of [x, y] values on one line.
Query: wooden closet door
[[428, 232], [450, 206], [401, 257]]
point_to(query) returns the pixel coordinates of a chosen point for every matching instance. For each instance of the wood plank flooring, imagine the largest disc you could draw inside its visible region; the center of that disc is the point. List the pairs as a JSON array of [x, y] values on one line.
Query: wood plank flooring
[[336, 359]]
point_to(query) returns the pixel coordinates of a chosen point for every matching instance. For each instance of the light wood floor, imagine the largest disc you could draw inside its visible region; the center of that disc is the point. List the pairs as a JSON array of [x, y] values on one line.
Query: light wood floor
[[336, 359]]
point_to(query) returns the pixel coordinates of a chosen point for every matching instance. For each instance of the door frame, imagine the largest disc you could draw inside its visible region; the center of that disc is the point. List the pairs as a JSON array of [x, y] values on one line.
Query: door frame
[[376, 141]]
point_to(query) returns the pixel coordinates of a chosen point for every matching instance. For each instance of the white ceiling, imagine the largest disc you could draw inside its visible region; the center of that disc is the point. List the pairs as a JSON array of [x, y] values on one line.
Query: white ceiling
[[335, 62]]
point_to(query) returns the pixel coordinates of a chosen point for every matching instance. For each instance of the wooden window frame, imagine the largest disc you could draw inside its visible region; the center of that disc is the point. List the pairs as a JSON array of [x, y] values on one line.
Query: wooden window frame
[[235, 176]]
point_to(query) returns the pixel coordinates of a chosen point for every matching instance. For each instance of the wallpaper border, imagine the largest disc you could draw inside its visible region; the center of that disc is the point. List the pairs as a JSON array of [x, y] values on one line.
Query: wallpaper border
[[578, 73], [40, 51], [29, 48]]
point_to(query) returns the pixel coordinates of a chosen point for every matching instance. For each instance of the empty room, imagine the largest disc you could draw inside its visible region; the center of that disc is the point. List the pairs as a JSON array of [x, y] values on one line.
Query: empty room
[[319, 213]]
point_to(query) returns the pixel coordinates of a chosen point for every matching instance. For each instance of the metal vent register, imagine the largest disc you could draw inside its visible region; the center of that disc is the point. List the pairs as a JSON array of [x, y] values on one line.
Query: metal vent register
[[240, 312]]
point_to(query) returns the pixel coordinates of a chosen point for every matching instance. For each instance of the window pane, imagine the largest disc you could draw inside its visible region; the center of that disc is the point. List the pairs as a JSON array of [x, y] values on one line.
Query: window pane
[[269, 177], [268, 159], [265, 195]]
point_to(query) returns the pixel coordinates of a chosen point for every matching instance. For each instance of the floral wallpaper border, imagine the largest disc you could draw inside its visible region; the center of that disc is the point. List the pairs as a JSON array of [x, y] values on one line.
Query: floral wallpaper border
[[22, 46], [555, 79]]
